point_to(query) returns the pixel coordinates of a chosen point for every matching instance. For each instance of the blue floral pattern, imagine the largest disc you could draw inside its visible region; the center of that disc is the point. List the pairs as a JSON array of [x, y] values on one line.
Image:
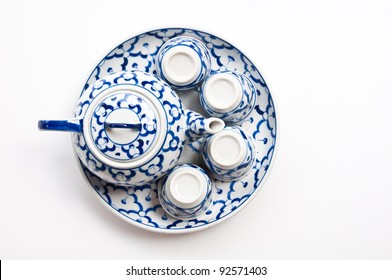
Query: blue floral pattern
[[195, 123], [140, 205], [146, 118], [168, 153]]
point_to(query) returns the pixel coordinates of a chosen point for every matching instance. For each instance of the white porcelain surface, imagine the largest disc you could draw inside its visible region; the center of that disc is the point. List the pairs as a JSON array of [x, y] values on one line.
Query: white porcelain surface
[[181, 65], [227, 150], [186, 188]]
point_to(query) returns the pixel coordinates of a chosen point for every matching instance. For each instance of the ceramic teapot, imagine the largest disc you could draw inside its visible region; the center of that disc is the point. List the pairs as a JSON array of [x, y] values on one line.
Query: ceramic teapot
[[130, 128]]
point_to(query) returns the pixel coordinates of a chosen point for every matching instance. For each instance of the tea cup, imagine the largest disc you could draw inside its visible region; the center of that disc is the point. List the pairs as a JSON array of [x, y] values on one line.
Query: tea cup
[[229, 154], [228, 95], [186, 192], [183, 62]]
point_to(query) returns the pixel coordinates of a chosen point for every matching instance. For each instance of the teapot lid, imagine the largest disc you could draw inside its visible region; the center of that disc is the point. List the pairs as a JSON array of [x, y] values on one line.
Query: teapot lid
[[124, 126]]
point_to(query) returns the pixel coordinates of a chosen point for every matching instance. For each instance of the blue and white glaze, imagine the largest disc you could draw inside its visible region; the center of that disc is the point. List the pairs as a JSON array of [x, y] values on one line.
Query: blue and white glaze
[[140, 205], [196, 125], [143, 95], [167, 154], [186, 213], [233, 173], [244, 108], [145, 133], [195, 45]]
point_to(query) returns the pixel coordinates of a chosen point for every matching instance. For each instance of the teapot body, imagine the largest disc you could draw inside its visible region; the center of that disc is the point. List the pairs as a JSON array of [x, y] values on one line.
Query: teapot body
[[130, 128], [92, 146]]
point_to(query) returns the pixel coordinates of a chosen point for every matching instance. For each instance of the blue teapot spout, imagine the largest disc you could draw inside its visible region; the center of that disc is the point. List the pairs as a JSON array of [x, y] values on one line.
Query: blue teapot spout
[[198, 126]]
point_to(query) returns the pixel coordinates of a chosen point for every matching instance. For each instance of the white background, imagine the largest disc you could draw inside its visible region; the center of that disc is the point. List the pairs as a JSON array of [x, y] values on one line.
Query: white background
[[328, 66]]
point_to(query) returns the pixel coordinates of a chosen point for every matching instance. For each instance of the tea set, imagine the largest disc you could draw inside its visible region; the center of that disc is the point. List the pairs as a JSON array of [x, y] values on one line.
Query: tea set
[[174, 130]]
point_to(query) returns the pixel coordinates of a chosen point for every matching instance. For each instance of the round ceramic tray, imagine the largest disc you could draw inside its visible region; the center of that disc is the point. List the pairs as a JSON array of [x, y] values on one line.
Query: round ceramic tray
[[140, 205]]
